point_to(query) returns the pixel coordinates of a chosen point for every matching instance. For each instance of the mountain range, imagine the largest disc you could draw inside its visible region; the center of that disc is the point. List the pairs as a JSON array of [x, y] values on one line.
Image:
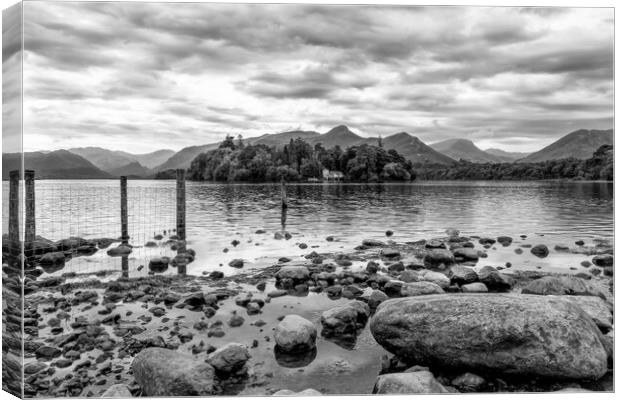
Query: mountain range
[[95, 162]]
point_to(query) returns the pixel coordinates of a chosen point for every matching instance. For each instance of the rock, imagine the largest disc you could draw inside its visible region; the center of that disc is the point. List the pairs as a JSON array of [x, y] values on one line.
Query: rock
[[329, 238], [121, 250], [230, 358], [390, 253], [195, 301], [216, 275], [117, 390], [579, 242], [596, 308], [468, 382], [236, 321], [47, 352], [34, 367], [277, 293], [295, 333], [345, 319], [462, 275], [388, 233], [523, 335], [236, 263], [420, 289], [465, 254], [408, 383], [409, 276], [436, 277], [585, 264], [376, 297], [439, 256], [518, 251], [603, 260], [163, 372], [563, 285], [306, 392], [372, 243], [372, 267], [504, 240], [396, 267], [57, 257], [476, 287], [486, 241], [295, 273], [435, 244], [540, 251], [495, 280]]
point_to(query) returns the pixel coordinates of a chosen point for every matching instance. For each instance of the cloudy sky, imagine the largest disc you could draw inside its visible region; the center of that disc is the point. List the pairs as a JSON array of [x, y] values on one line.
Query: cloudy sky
[[140, 77]]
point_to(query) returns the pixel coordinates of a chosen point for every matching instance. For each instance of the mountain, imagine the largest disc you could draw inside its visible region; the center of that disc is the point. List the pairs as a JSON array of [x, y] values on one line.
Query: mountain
[[506, 156], [131, 169], [578, 144], [109, 160], [414, 149], [280, 139], [183, 158], [339, 136], [151, 160], [59, 164], [463, 149]]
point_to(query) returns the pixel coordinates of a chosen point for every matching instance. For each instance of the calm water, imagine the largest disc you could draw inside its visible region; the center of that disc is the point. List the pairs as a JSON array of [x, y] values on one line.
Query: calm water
[[551, 212]]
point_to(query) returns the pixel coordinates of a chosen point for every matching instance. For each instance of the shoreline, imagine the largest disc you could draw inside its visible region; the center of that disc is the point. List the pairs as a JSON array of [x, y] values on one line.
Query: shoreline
[[118, 309]]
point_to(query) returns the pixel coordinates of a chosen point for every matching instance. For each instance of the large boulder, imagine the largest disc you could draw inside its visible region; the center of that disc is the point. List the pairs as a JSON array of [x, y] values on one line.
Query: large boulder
[[523, 335], [229, 358], [408, 383], [295, 333], [475, 287], [495, 280], [345, 319], [598, 309], [462, 275], [420, 289], [563, 285], [166, 373]]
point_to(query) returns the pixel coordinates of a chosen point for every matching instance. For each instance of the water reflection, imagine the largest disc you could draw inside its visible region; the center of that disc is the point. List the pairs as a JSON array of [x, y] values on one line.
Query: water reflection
[[295, 359]]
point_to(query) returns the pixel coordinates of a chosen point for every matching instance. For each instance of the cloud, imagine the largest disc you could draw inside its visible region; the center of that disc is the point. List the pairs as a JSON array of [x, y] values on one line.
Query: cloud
[[142, 76]]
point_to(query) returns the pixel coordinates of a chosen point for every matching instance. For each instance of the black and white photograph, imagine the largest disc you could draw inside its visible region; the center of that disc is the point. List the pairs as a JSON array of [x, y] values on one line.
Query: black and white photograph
[[249, 199]]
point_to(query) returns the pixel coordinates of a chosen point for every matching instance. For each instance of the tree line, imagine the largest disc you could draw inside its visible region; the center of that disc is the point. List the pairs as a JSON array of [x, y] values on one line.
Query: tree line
[[234, 161], [599, 167]]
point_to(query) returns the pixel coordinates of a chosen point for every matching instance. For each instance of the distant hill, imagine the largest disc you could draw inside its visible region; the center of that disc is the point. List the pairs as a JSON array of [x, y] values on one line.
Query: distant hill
[[339, 136], [463, 149], [109, 160], [183, 158], [131, 169], [59, 164], [280, 139], [414, 149], [578, 144], [506, 156]]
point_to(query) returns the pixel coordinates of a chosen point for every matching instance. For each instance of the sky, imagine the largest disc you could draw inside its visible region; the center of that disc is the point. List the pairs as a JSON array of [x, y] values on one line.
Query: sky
[[140, 77]]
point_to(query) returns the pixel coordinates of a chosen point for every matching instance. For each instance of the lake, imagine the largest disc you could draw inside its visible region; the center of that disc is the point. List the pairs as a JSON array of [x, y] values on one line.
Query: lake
[[551, 212]]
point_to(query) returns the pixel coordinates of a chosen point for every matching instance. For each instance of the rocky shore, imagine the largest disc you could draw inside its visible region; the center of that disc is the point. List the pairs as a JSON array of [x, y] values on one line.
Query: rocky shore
[[420, 317]]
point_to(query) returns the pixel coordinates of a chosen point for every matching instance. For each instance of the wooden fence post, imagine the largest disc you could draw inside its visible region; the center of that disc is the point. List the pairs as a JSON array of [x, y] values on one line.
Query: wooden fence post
[[283, 193], [124, 219], [181, 204], [30, 224], [14, 240]]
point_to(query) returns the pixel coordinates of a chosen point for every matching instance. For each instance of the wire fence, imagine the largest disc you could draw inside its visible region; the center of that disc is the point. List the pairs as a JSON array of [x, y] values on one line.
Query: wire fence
[[76, 218]]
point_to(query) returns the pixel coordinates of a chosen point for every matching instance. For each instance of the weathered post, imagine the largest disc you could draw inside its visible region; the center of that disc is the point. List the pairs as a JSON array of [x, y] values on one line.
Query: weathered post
[[283, 193], [181, 205], [124, 219], [125, 267], [30, 225], [14, 241]]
